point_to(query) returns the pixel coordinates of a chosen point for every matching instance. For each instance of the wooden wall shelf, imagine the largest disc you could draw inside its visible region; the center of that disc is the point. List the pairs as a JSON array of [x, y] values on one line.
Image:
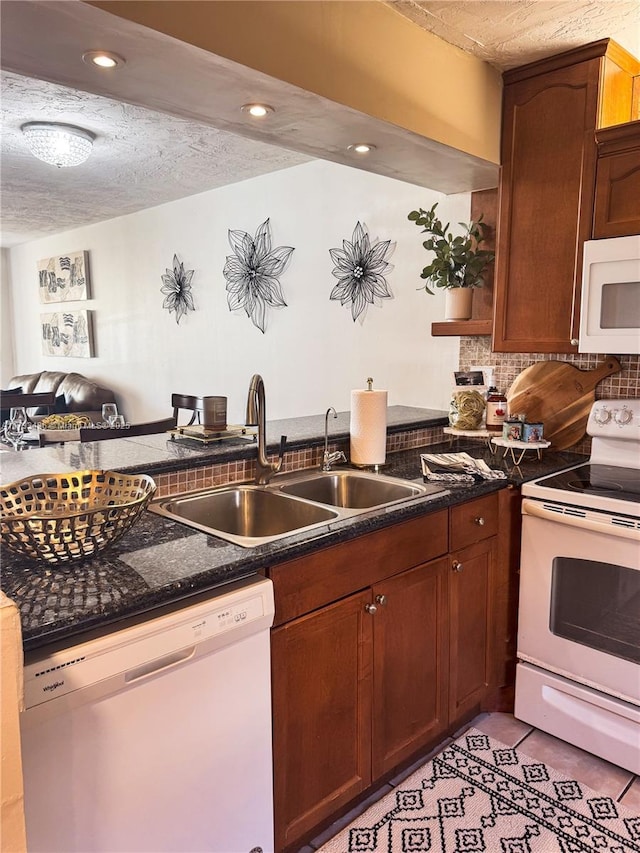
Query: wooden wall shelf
[[461, 327]]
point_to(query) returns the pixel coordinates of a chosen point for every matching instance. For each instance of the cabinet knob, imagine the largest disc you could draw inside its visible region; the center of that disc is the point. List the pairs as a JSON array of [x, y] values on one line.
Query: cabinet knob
[[370, 608], [479, 520], [574, 342], [381, 600], [457, 566]]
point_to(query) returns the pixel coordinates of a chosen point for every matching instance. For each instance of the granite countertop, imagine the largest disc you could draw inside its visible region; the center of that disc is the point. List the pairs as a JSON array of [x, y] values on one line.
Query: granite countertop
[[160, 562], [159, 454]]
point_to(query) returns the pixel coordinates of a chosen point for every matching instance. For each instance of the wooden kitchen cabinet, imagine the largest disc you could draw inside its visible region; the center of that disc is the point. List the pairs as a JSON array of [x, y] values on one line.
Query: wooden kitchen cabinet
[[551, 110], [471, 616], [321, 682], [472, 583], [359, 660], [410, 657], [379, 649], [358, 686], [617, 202]]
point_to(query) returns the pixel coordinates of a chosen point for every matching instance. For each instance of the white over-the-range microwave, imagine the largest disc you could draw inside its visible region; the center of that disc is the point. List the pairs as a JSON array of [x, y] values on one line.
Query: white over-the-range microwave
[[610, 309]]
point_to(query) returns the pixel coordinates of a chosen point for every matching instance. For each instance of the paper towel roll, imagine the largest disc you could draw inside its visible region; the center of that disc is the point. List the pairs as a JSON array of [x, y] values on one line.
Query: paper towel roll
[[368, 427]]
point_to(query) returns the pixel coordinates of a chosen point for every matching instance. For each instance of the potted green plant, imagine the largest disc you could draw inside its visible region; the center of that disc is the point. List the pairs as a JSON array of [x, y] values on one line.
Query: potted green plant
[[458, 264]]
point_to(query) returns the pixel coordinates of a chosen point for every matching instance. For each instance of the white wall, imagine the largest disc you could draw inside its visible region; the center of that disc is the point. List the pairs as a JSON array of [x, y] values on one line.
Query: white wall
[[312, 353], [7, 361]]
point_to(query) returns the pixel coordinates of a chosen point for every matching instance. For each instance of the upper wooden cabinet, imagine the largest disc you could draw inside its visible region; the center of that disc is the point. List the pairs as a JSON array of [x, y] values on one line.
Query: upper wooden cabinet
[[551, 111], [617, 204]]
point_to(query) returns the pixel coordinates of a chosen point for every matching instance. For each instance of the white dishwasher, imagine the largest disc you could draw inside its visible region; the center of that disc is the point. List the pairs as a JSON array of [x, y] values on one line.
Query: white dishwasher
[[155, 737]]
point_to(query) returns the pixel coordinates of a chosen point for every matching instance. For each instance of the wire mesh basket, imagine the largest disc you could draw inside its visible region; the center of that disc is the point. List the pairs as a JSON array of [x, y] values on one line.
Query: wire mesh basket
[[64, 517]]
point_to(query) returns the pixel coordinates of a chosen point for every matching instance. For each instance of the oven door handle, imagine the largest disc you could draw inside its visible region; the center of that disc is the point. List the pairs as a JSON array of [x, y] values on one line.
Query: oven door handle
[[537, 509]]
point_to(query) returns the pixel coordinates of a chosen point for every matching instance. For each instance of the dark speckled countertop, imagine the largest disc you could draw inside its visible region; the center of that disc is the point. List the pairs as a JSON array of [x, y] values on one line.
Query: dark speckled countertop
[[160, 562]]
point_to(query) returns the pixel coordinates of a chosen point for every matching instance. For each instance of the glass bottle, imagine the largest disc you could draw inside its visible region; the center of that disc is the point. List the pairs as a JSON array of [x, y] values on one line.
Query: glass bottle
[[496, 409]]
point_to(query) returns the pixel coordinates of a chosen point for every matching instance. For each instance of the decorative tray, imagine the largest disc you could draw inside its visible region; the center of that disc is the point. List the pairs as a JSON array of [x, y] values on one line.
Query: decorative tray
[[197, 432], [522, 446]]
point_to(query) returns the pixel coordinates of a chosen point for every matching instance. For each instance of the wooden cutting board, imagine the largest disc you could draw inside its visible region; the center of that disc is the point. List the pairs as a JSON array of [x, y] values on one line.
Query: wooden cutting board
[[560, 396]]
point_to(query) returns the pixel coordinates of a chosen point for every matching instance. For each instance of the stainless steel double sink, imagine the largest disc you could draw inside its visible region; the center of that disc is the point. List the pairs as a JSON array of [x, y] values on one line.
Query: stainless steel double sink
[[250, 515]]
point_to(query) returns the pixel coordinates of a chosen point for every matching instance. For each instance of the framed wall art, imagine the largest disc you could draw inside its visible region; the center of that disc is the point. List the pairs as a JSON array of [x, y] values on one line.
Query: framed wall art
[[67, 333], [64, 278]]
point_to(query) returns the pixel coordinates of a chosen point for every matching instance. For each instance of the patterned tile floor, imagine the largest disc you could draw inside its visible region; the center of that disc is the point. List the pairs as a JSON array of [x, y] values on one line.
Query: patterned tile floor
[[569, 760]]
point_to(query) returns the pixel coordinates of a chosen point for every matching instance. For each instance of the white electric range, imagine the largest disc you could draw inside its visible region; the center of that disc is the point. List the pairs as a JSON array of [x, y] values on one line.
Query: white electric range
[[578, 673]]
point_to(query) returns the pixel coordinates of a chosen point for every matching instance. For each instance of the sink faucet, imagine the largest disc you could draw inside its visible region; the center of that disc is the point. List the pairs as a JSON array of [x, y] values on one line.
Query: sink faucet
[[329, 458], [256, 416]]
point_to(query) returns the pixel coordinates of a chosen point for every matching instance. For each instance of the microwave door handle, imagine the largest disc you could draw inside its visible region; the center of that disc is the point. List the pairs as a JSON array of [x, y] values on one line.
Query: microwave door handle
[[538, 510]]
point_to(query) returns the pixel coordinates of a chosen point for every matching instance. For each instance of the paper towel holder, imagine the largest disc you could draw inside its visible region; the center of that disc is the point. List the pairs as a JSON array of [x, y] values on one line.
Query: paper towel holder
[[358, 463]]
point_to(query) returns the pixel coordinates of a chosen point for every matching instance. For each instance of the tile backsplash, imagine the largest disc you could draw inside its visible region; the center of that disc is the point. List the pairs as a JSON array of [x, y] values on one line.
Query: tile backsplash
[[622, 385], [244, 470]]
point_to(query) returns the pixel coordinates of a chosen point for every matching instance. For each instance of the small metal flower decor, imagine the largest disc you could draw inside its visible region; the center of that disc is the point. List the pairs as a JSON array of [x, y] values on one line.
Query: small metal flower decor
[[252, 274], [176, 285], [358, 268]]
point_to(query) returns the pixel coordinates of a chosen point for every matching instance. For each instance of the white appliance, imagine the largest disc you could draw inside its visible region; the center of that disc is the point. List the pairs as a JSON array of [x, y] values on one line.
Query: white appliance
[[578, 672], [610, 305], [156, 737]]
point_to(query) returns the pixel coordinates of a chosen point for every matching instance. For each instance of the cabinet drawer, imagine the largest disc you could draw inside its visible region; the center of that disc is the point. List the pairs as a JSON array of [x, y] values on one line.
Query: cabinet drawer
[[473, 521], [307, 583]]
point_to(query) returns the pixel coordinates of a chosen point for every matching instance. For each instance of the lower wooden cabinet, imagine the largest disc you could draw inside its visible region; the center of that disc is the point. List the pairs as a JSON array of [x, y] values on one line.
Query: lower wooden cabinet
[[410, 656], [321, 683], [358, 686], [375, 658], [471, 615]]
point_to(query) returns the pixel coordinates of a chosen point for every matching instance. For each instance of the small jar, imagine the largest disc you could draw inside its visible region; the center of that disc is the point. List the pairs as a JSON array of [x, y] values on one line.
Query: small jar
[[533, 432], [496, 410], [512, 430]]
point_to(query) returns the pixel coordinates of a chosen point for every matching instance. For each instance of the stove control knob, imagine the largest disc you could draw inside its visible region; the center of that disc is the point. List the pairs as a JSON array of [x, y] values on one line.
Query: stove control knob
[[623, 416], [602, 416]]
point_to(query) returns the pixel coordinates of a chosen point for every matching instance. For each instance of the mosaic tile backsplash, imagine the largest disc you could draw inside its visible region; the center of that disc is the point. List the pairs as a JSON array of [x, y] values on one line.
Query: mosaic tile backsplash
[[473, 351], [244, 470], [622, 385]]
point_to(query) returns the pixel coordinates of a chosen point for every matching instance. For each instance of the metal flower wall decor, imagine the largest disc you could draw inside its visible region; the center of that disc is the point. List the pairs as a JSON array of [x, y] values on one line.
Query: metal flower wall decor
[[252, 274], [358, 268], [176, 284]]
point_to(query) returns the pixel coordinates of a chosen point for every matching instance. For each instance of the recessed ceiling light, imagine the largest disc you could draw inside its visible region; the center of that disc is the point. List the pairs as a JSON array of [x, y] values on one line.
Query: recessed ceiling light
[[103, 58], [257, 110], [361, 148]]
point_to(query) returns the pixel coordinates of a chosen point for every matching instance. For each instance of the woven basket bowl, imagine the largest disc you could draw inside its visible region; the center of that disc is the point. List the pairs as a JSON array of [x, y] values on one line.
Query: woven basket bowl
[[64, 517]]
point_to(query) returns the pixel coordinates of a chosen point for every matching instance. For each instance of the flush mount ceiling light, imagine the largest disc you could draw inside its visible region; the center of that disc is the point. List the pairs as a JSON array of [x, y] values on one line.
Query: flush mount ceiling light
[[58, 144], [361, 148], [103, 58], [257, 110]]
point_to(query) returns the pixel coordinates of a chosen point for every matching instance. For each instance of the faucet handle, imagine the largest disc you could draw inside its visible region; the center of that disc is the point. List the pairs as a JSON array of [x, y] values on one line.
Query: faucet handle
[[283, 445]]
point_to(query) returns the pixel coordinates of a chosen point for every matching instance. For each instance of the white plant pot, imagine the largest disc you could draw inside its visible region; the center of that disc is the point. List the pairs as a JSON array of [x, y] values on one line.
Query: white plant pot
[[457, 303]]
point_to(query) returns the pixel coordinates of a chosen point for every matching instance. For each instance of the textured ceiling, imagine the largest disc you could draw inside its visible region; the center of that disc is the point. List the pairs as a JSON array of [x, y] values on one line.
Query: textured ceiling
[[140, 159], [152, 157], [508, 33]]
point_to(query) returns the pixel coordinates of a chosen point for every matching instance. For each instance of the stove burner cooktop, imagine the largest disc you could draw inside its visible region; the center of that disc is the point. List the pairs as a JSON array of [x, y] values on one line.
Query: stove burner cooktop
[[598, 480]]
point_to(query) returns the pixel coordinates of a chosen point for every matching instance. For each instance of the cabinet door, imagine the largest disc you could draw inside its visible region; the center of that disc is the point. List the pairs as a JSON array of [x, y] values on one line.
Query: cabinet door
[[410, 663], [321, 681], [617, 208], [546, 206], [471, 587]]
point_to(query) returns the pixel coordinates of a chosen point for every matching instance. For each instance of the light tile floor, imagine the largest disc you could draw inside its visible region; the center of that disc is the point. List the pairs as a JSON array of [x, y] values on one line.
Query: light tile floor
[[596, 773]]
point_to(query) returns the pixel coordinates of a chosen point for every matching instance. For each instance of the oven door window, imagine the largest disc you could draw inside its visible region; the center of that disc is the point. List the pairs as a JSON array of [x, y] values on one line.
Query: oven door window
[[596, 605]]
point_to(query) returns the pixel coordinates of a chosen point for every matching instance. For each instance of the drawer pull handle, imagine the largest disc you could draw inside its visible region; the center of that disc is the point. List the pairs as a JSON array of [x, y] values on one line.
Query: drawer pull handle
[[479, 520], [381, 600], [457, 566], [370, 608]]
